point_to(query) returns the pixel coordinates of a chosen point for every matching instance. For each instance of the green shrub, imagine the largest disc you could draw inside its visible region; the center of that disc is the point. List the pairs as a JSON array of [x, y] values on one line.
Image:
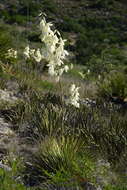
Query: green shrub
[[49, 6], [108, 60], [33, 37], [29, 8], [71, 25], [19, 19], [102, 3], [114, 84]]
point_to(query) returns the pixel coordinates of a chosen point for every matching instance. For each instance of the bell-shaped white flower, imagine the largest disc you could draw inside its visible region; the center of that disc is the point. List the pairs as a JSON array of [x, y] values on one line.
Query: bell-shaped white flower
[[45, 29], [52, 51], [66, 68], [51, 70], [11, 53], [27, 52]]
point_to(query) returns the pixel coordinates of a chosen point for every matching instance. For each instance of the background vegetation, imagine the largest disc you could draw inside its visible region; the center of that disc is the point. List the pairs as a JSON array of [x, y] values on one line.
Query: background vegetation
[[53, 145]]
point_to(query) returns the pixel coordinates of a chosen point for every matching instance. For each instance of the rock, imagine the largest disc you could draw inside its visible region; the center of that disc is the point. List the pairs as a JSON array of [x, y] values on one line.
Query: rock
[[7, 96], [7, 137], [5, 167], [5, 128], [88, 102], [88, 186], [12, 86]]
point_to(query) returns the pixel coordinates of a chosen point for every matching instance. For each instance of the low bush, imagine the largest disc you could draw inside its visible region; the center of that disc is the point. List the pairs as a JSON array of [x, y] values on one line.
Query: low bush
[[70, 25], [113, 85], [49, 6]]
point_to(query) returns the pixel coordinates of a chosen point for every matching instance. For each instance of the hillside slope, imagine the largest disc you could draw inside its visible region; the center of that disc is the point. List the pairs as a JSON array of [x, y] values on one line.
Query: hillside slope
[[90, 26]]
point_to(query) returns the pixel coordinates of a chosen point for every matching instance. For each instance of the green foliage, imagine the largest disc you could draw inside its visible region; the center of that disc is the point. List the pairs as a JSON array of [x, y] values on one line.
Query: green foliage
[[29, 8], [102, 3], [92, 41], [114, 84], [71, 25], [34, 37], [27, 83], [20, 12], [8, 179], [5, 42], [108, 60], [68, 140], [2, 84], [15, 113], [19, 19], [49, 6], [110, 187], [61, 160], [53, 133]]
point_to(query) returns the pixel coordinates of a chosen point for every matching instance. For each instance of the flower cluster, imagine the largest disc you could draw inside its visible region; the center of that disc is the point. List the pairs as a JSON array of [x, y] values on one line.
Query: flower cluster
[[54, 54], [53, 51], [11, 53], [74, 96], [32, 53]]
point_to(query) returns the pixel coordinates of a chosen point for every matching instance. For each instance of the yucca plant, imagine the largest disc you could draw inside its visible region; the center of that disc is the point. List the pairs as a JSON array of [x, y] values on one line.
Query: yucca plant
[[61, 161]]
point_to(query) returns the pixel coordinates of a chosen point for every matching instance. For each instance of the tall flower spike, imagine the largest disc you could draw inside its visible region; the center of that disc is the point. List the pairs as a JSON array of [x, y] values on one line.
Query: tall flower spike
[[54, 51], [74, 96]]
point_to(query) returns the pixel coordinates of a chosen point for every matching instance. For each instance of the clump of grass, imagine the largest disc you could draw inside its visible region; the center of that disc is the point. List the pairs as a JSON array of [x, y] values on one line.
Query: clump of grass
[[60, 161], [9, 179], [2, 84]]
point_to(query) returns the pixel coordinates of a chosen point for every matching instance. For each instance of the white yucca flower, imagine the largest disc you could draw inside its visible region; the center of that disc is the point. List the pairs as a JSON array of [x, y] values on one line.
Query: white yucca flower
[[11, 53], [66, 68], [99, 77], [27, 52], [74, 96], [53, 50], [32, 53], [88, 71], [37, 55], [51, 70], [45, 29]]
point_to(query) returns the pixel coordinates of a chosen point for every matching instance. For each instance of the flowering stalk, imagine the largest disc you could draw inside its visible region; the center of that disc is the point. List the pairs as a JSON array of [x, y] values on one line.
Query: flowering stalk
[[53, 51], [11, 53], [32, 53], [74, 96]]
